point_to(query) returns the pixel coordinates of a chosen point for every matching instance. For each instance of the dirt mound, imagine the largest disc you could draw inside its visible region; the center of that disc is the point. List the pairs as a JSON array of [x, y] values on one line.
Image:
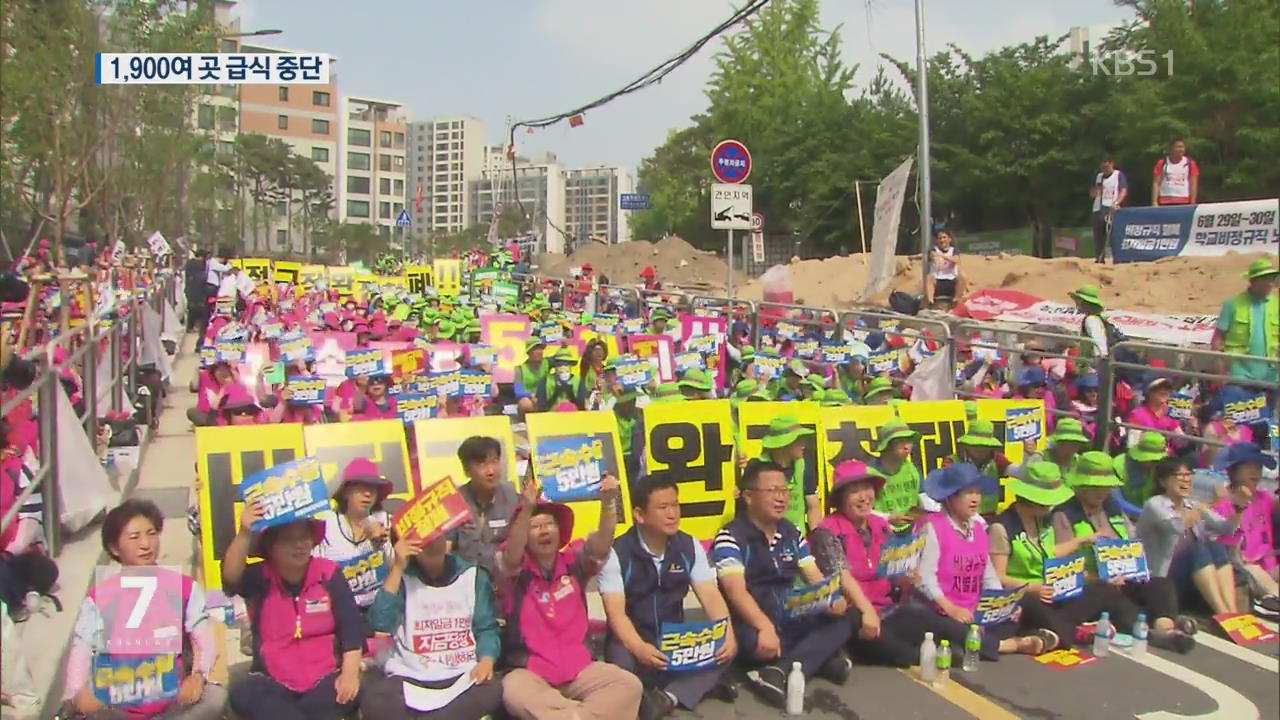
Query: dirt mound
[[677, 263]]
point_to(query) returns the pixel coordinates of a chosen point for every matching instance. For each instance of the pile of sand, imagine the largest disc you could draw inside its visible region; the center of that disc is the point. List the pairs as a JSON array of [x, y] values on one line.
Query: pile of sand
[[677, 262]]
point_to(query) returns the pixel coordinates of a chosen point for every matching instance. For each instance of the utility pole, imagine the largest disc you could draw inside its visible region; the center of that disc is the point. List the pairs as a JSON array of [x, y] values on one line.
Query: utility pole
[[922, 104]]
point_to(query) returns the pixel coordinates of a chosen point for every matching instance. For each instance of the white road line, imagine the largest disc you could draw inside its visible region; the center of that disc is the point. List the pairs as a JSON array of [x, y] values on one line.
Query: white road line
[[1231, 704], [1273, 627], [1241, 653]]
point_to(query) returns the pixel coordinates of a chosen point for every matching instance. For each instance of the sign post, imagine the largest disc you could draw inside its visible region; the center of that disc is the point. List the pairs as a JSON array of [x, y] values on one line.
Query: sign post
[[757, 238], [404, 222], [731, 206]]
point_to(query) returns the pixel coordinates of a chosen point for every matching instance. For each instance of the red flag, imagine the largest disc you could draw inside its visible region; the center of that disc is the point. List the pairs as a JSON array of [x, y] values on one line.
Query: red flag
[[576, 120], [418, 200]]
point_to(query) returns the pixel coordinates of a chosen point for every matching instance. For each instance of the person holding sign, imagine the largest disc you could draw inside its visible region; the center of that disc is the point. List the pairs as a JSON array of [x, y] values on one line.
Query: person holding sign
[[532, 375], [307, 631], [1255, 541], [561, 386], [849, 542], [980, 447], [955, 570], [131, 537], [1024, 544], [440, 609], [901, 495], [784, 446], [355, 537], [760, 556], [239, 408], [543, 581], [375, 404], [1136, 469], [1067, 441], [1094, 515], [649, 573]]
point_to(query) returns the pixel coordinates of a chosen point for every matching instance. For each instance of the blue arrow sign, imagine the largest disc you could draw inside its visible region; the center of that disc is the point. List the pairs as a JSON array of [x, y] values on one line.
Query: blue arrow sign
[[403, 220]]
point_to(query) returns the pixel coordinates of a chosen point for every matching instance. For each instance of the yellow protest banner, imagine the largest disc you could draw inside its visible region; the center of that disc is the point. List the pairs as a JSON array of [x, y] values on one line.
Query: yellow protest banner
[[753, 425], [448, 276], [286, 272], [849, 432], [225, 456], [438, 440], [341, 279], [571, 453], [391, 281], [257, 268], [360, 286], [997, 411], [691, 443], [417, 278], [382, 441], [312, 274], [940, 424]]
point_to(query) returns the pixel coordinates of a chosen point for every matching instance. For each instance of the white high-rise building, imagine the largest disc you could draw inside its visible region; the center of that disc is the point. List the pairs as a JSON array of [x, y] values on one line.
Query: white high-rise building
[[372, 146], [445, 157], [592, 205], [539, 185]]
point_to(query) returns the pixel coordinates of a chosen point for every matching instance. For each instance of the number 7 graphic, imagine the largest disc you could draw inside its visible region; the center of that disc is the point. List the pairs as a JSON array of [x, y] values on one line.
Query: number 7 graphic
[[147, 585]]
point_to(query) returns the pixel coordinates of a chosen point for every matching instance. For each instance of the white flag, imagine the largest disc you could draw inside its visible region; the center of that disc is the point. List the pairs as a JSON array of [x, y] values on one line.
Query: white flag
[[884, 233], [159, 246]]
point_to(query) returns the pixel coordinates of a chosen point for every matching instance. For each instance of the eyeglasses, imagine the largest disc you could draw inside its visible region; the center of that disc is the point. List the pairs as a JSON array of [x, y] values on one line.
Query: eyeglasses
[[1184, 474]]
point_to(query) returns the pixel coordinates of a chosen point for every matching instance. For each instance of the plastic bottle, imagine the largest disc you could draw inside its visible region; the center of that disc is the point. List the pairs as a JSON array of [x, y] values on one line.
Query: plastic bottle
[[1102, 635], [795, 690], [944, 663], [1140, 633], [972, 647], [928, 659]]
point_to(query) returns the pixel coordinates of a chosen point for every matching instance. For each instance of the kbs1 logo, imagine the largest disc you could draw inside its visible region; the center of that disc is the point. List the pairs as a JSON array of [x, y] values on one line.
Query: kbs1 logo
[[1132, 63]]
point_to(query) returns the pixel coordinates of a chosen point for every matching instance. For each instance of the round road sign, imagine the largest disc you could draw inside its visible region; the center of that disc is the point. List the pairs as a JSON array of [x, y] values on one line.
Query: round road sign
[[731, 162], [757, 222]]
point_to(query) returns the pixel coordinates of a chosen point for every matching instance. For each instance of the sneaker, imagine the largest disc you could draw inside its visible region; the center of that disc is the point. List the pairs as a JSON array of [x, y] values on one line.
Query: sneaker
[[725, 690], [1267, 607], [1172, 640], [837, 668], [770, 685], [655, 704], [1186, 625]]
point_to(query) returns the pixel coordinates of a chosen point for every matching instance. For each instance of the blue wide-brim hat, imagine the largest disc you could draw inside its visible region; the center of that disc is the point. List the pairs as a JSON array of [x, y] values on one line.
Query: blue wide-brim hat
[[1243, 454], [944, 482]]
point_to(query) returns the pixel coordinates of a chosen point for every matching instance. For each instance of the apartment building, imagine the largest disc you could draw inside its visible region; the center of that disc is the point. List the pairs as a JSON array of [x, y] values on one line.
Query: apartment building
[[539, 185], [445, 157], [591, 205], [373, 171]]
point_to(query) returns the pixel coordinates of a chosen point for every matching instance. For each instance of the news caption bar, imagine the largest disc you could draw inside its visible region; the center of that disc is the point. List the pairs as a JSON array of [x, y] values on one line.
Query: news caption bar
[[212, 69]]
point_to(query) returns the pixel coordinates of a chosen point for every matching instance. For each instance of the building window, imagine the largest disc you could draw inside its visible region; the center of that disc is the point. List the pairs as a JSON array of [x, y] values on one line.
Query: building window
[[282, 94], [397, 208], [399, 162], [227, 118], [281, 209], [356, 136], [282, 122], [320, 155], [384, 186], [384, 139], [320, 98], [358, 161], [399, 187], [204, 115], [384, 210], [226, 147], [399, 140], [358, 208], [384, 162], [282, 237], [319, 127], [357, 184]]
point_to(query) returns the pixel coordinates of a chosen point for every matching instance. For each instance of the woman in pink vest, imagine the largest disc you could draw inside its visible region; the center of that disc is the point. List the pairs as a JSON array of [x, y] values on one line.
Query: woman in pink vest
[[176, 616], [308, 633], [376, 404], [1255, 540], [955, 568], [210, 388], [1153, 413], [239, 408], [849, 542], [543, 584]]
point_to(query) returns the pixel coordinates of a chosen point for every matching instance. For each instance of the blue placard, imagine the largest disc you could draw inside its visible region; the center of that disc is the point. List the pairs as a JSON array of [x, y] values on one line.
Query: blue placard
[[692, 645], [476, 383], [551, 333], [1066, 577], [413, 407], [634, 373], [366, 572], [770, 362], [687, 361], [806, 349], [208, 355], [446, 384], [571, 467], [1150, 233], [900, 557], [1181, 405], [883, 362], [295, 346], [633, 201], [482, 355], [605, 324], [998, 606], [271, 331], [805, 600], [364, 363], [230, 351], [633, 326], [288, 492], [836, 353], [125, 681], [1245, 406], [1022, 424], [305, 390], [1121, 558]]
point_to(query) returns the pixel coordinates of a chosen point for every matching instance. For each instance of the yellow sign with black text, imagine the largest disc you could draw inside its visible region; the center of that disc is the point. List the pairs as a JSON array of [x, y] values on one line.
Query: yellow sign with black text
[[438, 440], [448, 277], [691, 443]]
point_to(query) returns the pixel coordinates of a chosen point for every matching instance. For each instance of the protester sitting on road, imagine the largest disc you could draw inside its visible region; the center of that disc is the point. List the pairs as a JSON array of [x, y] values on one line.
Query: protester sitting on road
[[697, 384], [880, 391], [759, 557], [784, 445], [1253, 551], [1153, 413], [900, 497], [531, 376], [131, 537], [239, 408], [561, 385], [307, 631], [1136, 469], [440, 610], [1033, 385], [286, 412], [1215, 424], [789, 386], [849, 543], [211, 387], [650, 571], [954, 569], [492, 500], [543, 583], [356, 536], [1093, 514], [375, 403], [1023, 538], [1177, 536], [1065, 444]]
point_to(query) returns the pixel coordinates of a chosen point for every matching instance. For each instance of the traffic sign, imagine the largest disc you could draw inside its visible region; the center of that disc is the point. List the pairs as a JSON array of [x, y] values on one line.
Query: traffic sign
[[731, 207], [633, 201], [757, 222], [731, 162], [757, 247], [403, 220]]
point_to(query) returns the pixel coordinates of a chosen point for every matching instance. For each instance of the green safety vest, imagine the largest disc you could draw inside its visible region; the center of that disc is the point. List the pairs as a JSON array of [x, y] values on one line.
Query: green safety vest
[[1026, 561], [851, 386], [1138, 494], [901, 490], [797, 513], [551, 388], [1240, 335], [1081, 526], [532, 378], [626, 427]]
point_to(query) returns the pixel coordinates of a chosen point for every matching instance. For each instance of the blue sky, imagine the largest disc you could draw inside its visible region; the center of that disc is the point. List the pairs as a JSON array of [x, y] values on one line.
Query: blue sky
[[532, 58]]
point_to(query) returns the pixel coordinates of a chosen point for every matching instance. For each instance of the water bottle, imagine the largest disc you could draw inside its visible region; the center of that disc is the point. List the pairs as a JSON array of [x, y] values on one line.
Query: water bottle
[[795, 690], [1140, 632], [944, 664], [928, 659], [1102, 635], [972, 646]]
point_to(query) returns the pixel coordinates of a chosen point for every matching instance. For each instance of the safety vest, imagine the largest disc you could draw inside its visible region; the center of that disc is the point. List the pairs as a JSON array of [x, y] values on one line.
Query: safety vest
[[1240, 334], [435, 644], [1026, 558], [555, 393], [532, 377], [626, 428], [1080, 526], [654, 593], [797, 513]]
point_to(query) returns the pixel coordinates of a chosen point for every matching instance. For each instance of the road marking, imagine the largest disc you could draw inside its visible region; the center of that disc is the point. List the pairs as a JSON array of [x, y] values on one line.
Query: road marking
[[963, 698], [1273, 627], [1243, 654], [1231, 704]]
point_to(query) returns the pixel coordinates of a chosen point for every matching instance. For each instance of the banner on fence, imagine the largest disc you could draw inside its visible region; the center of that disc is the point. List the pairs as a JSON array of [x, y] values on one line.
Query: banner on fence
[[1206, 229], [1019, 307]]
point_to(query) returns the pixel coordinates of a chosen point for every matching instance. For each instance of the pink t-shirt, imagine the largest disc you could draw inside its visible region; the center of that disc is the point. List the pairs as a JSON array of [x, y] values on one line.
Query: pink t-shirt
[[1255, 538]]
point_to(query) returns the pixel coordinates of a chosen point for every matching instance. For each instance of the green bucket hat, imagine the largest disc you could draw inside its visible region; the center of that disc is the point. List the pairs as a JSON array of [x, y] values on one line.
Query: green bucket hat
[[1261, 268], [980, 433], [748, 353], [1088, 294], [667, 392], [533, 343], [696, 379], [1069, 430], [876, 386], [797, 367], [895, 429], [611, 363], [817, 382], [745, 389], [627, 396], [1042, 485], [1093, 469], [783, 431], [659, 314], [834, 398], [971, 410], [561, 356], [1151, 447], [445, 328]]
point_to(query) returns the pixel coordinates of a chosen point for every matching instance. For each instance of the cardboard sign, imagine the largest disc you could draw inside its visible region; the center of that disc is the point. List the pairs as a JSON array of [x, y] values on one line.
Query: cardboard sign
[[295, 346], [687, 361], [770, 364], [406, 362], [883, 362], [365, 573], [808, 600], [571, 453], [432, 513], [691, 444], [230, 351], [1250, 408], [1066, 576], [482, 356], [1121, 558], [1245, 629], [900, 557], [506, 334], [412, 407], [476, 383], [657, 350], [570, 467], [692, 645], [306, 390], [130, 681], [998, 606], [836, 353], [634, 373], [364, 363], [1181, 406], [289, 492], [1065, 659], [1022, 424]]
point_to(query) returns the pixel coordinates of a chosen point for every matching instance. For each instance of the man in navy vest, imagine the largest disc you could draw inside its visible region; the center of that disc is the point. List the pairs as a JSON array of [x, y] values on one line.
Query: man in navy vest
[[644, 584], [760, 558]]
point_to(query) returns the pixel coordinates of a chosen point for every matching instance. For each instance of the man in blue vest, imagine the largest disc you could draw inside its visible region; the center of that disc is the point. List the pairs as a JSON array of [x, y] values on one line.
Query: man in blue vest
[[760, 558], [650, 571]]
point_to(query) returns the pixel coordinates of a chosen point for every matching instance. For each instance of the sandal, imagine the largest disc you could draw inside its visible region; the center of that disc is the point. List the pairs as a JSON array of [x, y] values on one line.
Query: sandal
[[1186, 625]]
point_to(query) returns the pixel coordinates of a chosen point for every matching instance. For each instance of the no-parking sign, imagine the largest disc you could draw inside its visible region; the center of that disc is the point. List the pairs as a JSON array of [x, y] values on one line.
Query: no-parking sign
[[731, 161]]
